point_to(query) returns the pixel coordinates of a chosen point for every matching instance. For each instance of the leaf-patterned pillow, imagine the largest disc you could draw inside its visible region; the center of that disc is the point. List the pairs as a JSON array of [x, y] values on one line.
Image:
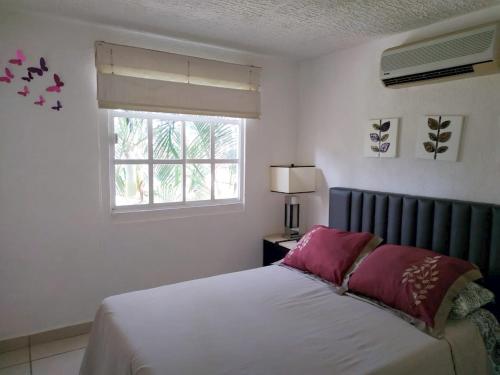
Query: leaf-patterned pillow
[[470, 298], [418, 282]]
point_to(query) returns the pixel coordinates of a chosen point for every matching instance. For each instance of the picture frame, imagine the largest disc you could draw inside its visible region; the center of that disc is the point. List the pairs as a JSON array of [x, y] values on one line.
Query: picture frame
[[381, 138], [438, 137]]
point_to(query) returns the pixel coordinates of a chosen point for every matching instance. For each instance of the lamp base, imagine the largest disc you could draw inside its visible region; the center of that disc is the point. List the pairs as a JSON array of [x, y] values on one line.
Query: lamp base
[[292, 215], [291, 234]]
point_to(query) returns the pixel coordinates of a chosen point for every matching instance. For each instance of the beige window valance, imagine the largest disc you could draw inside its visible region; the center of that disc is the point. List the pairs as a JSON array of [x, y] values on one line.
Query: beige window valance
[[146, 80]]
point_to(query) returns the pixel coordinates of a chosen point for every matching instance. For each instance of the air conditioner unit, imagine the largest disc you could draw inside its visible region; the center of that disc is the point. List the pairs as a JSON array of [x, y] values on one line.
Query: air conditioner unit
[[462, 54]]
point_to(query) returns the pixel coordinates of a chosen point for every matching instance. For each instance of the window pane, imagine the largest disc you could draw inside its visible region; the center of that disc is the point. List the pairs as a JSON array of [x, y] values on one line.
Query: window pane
[[132, 138], [226, 181], [198, 182], [131, 184], [167, 139], [167, 183], [226, 141], [197, 140]]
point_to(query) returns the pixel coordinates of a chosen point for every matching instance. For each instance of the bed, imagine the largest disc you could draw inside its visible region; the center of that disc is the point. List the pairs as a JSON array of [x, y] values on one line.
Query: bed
[[277, 320]]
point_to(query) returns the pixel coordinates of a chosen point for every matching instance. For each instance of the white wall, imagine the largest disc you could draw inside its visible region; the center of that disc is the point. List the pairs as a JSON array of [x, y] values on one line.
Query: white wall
[[341, 91], [60, 250]]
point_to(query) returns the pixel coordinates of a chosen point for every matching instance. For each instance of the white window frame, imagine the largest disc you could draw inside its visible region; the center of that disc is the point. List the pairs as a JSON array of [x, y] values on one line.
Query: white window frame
[[150, 162]]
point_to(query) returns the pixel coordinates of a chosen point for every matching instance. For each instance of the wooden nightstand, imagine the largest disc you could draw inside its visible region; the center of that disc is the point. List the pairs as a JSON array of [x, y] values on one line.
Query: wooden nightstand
[[276, 247]]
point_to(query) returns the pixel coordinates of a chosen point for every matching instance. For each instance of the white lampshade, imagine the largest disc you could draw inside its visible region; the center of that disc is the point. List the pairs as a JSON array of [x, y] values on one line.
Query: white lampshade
[[291, 179]]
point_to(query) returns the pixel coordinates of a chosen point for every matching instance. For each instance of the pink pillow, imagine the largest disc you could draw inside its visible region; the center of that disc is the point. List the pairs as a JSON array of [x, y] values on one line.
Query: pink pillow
[[330, 253], [418, 282]]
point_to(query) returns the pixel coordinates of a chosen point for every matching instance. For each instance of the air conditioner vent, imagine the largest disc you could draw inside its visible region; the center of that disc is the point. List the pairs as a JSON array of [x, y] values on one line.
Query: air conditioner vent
[[467, 53], [450, 49], [430, 75]]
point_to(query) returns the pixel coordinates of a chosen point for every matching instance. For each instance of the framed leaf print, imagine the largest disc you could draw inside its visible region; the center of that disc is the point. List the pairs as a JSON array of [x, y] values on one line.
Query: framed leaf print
[[438, 137], [381, 137]]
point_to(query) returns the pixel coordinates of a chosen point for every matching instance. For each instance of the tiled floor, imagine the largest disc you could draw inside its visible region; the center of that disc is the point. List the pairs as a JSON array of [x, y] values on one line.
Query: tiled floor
[[61, 357]]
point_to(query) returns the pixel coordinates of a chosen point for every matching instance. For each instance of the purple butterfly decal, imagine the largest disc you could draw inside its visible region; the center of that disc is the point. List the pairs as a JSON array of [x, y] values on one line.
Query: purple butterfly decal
[[43, 68], [28, 78], [374, 137], [58, 106], [34, 70], [384, 147]]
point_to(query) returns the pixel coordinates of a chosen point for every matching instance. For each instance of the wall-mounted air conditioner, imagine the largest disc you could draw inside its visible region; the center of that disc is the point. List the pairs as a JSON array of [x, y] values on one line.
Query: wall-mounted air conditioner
[[462, 54]]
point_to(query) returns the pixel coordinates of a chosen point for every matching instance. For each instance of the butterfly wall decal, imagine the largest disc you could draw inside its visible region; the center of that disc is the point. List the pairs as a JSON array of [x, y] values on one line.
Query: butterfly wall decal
[[58, 106], [28, 78], [8, 77], [40, 101], [32, 72], [43, 68], [24, 92], [20, 58], [57, 86]]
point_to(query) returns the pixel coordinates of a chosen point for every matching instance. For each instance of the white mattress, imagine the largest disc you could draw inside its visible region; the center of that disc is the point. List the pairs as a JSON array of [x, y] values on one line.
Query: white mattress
[[269, 320]]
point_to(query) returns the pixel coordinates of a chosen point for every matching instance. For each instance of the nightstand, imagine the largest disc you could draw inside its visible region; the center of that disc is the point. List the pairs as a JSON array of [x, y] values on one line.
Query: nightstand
[[276, 247]]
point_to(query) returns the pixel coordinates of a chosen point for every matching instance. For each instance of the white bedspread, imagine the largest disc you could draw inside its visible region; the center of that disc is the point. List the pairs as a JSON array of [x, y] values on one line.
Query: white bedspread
[[269, 320]]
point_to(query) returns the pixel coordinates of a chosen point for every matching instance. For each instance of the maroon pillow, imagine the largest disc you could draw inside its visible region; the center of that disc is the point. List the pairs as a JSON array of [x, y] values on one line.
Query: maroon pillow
[[330, 253], [418, 282]]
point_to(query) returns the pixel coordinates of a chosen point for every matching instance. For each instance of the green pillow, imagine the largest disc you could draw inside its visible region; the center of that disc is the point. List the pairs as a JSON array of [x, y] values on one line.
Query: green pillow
[[471, 297]]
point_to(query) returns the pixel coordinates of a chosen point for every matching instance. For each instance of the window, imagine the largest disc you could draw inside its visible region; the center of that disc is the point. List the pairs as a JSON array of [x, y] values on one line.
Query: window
[[172, 160]]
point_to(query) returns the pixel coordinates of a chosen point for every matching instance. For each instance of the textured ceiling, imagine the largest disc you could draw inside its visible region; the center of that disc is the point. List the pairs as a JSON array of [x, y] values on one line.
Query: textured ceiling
[[294, 28]]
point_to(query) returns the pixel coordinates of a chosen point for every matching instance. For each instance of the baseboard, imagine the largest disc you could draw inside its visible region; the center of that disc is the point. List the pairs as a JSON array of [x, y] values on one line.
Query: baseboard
[[15, 343]]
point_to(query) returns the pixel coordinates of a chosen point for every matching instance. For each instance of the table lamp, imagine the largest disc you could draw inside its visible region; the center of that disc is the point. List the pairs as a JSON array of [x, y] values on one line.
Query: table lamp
[[291, 180]]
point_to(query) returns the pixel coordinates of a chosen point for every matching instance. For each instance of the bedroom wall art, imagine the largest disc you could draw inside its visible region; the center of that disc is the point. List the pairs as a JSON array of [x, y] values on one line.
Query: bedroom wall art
[[438, 137], [381, 137], [12, 71]]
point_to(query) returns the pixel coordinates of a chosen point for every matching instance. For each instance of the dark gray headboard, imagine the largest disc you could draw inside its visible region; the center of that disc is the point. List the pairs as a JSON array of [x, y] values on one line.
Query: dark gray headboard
[[464, 230]]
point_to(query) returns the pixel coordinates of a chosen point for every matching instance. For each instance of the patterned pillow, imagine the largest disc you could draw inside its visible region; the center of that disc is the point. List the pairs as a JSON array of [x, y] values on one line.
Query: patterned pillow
[[470, 298], [330, 253], [418, 282], [489, 329]]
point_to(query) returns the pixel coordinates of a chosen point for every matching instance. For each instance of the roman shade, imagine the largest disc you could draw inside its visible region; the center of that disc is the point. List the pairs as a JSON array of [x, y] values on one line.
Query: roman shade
[[145, 80]]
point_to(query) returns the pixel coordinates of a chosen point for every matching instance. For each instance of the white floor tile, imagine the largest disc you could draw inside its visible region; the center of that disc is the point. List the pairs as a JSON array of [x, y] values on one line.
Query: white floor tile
[[61, 364], [23, 369], [14, 357], [59, 346]]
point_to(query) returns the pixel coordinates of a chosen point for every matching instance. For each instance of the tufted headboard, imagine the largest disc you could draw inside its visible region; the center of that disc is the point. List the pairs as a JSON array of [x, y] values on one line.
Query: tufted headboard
[[466, 230]]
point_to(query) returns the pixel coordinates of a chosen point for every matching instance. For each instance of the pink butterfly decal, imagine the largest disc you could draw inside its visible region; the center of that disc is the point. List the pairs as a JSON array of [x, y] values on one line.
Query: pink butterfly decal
[[20, 58], [58, 106], [40, 101], [57, 86], [8, 76], [24, 92]]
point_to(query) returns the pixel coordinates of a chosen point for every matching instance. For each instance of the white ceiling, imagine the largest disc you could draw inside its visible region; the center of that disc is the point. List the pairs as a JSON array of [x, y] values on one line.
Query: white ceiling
[[293, 28]]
